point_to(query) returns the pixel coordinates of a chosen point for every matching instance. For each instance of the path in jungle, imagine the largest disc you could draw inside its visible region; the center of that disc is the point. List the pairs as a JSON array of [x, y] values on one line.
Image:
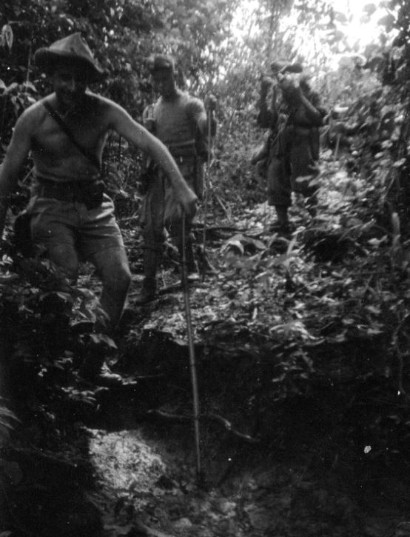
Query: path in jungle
[[145, 456], [280, 468]]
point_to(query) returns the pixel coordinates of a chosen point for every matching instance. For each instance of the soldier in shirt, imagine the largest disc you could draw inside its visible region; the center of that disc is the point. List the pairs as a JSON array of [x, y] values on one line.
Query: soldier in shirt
[[183, 124]]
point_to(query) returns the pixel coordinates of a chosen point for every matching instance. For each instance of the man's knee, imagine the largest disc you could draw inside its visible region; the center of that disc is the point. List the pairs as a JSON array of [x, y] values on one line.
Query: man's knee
[[118, 278], [112, 266], [279, 189], [66, 259]]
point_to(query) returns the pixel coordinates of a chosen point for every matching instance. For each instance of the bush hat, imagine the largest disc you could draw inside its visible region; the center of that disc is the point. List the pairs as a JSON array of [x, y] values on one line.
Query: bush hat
[[160, 62], [69, 51]]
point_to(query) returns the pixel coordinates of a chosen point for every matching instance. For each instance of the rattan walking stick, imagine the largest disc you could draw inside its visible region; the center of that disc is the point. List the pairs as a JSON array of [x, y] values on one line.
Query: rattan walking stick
[[192, 360], [206, 199]]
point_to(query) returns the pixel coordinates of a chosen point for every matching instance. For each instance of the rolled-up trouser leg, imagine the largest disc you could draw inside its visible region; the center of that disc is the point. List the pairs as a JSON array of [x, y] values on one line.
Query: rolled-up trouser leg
[[304, 172], [304, 167], [193, 173], [279, 189], [152, 259], [153, 231]]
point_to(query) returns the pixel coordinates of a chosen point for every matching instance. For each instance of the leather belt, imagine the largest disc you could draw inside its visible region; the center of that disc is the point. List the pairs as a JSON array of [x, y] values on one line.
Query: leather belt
[[88, 192]]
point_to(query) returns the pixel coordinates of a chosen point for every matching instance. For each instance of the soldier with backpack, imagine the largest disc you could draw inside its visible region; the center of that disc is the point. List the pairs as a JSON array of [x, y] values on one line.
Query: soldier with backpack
[[293, 115]]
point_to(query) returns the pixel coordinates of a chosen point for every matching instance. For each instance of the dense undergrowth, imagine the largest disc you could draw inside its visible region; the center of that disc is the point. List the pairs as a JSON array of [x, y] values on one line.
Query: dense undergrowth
[[302, 341], [310, 332]]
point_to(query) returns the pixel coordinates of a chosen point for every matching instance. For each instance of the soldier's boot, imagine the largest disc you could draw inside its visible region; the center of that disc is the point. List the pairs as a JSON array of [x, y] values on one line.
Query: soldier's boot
[[149, 284], [94, 370], [148, 291], [282, 224]]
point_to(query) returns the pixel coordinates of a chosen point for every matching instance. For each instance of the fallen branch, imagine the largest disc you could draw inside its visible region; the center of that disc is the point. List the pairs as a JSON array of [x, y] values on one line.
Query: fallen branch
[[129, 218], [228, 426], [200, 225], [172, 288], [142, 529], [225, 210], [181, 418]]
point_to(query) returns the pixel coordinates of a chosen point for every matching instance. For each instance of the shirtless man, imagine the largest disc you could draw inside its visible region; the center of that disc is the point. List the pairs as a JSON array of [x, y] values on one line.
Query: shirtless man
[[70, 215]]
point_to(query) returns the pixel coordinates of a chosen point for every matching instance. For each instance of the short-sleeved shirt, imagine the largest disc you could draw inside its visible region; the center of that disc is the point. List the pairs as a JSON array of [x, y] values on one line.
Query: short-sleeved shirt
[[177, 120]]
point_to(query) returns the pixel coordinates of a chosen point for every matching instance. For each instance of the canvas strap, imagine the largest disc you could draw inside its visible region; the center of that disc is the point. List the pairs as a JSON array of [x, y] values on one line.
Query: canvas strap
[[65, 128]]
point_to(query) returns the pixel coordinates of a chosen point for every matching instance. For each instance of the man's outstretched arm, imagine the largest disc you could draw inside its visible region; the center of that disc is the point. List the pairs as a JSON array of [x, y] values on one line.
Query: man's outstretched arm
[[139, 136]]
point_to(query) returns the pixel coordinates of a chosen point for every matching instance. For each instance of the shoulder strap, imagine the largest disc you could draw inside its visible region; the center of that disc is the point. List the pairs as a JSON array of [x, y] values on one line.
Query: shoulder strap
[[64, 127]]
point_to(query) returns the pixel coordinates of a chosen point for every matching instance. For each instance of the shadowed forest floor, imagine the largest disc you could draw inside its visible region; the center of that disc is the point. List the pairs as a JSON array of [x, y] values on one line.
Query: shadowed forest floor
[[291, 374]]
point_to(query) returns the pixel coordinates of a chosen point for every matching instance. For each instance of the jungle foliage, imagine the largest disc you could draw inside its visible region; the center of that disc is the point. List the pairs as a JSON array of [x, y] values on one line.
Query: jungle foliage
[[350, 292]]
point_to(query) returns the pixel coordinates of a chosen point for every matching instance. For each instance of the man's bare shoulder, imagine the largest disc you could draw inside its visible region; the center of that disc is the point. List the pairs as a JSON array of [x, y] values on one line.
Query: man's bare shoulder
[[108, 111], [32, 116], [102, 103], [35, 109]]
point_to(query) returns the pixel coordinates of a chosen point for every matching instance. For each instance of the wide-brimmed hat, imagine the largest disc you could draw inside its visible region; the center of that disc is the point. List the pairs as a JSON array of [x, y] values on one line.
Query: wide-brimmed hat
[[160, 62], [71, 50]]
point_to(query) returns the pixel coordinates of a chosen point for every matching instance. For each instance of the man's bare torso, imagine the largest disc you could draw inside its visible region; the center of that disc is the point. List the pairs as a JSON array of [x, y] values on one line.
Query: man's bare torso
[[55, 156]]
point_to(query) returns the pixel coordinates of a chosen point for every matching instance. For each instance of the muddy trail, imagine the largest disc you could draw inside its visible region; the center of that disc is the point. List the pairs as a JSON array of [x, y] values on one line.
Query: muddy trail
[[288, 405]]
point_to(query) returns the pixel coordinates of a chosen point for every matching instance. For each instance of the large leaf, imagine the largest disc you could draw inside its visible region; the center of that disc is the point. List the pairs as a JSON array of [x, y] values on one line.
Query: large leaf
[[244, 243], [7, 35]]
